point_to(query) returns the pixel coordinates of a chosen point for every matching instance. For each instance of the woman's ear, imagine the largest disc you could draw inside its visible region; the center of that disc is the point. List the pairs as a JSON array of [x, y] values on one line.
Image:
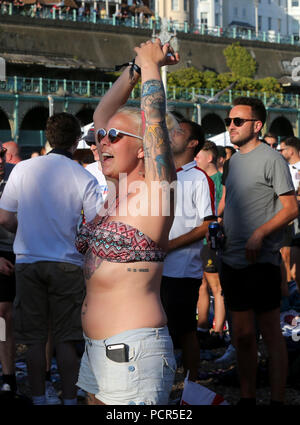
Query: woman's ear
[[140, 153]]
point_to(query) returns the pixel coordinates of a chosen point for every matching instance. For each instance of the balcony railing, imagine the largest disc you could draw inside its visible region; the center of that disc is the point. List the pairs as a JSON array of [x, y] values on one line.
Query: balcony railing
[[94, 17], [43, 86], [97, 89]]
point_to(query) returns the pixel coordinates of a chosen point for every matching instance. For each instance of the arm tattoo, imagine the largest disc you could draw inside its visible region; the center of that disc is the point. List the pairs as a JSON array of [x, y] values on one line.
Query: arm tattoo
[[158, 156], [91, 264], [151, 87]]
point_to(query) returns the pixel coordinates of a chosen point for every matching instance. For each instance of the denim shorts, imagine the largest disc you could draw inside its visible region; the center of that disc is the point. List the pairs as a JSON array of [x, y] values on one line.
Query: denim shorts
[[147, 377]]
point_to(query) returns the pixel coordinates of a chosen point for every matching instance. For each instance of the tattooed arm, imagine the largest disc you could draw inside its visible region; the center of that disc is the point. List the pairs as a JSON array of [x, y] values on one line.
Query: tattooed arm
[[159, 165], [119, 93]]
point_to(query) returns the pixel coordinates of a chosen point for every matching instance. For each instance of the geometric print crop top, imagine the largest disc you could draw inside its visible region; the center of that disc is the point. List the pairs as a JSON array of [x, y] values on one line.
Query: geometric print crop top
[[117, 242]]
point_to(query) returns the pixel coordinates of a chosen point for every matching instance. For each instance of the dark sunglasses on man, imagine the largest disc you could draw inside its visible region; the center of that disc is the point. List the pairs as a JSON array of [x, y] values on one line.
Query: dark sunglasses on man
[[90, 137], [238, 122], [3, 152]]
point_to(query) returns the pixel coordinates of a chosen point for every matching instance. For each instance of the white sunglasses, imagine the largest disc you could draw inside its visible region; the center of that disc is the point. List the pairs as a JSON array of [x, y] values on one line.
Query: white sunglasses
[[113, 134]]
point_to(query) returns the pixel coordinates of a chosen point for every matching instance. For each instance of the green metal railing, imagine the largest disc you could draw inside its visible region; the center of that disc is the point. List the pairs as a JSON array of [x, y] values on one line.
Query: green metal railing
[[93, 17], [59, 87], [90, 89]]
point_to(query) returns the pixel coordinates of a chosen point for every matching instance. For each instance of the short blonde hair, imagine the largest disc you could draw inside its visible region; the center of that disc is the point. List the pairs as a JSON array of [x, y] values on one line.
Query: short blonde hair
[[136, 114]]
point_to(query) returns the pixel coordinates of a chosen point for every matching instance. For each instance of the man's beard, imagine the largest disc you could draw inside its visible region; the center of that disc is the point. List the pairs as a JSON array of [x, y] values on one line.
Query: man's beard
[[243, 142]]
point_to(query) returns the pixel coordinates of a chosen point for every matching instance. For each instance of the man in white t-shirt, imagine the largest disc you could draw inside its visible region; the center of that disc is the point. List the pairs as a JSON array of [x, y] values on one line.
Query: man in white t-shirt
[[48, 194], [95, 167], [290, 150], [7, 290], [183, 268]]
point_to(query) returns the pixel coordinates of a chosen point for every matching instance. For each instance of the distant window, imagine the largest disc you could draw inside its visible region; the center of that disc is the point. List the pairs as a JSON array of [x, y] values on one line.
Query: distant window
[[175, 4], [279, 25], [235, 11], [244, 13], [269, 23], [185, 5], [295, 3], [203, 18], [259, 23], [217, 19], [295, 27]]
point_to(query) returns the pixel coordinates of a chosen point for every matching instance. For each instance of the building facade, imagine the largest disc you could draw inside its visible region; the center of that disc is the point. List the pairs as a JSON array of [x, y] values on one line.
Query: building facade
[[208, 13], [271, 15], [294, 16], [177, 11]]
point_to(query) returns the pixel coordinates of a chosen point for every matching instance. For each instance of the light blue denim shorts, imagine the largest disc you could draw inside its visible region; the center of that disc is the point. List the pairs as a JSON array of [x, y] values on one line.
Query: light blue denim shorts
[[147, 377]]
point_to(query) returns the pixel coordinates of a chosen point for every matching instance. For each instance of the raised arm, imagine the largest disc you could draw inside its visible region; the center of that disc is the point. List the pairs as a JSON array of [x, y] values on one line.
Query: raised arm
[[120, 91], [159, 165], [116, 96]]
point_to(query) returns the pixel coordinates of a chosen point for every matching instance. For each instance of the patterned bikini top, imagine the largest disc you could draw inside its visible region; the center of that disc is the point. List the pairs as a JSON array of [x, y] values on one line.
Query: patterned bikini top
[[117, 242]]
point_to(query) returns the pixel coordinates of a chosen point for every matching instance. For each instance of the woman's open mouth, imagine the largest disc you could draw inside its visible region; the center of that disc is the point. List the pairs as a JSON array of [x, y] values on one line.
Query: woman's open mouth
[[106, 156]]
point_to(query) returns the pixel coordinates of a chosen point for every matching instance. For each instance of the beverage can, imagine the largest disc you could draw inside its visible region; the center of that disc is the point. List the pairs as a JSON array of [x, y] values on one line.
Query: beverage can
[[214, 230]]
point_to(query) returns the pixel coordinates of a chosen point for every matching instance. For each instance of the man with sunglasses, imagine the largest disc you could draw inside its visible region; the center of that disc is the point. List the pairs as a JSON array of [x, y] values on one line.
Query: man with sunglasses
[[260, 201], [7, 289], [48, 194], [271, 139], [183, 266], [290, 150], [95, 167]]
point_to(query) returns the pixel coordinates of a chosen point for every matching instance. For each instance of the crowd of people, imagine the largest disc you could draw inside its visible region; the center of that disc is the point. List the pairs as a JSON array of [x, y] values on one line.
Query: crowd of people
[[85, 11], [109, 265]]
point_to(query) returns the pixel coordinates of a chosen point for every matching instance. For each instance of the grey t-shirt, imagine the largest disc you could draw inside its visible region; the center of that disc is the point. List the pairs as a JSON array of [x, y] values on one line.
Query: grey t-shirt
[[254, 183]]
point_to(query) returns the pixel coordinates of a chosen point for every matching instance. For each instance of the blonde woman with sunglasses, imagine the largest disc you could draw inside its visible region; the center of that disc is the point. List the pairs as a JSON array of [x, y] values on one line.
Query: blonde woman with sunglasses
[[129, 353]]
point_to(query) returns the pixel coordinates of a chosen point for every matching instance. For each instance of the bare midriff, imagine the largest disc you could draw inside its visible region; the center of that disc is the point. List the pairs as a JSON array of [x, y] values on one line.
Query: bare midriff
[[121, 297]]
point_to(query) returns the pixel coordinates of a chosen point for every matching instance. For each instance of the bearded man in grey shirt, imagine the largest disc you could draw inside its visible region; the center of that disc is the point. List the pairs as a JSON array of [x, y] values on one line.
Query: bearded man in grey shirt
[[260, 201]]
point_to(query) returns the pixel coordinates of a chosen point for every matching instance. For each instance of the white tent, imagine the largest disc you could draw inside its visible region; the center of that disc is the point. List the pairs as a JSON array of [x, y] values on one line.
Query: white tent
[[85, 129], [221, 139]]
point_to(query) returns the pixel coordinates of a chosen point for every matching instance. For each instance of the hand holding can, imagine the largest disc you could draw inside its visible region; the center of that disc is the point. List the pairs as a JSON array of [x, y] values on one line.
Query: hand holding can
[[215, 235]]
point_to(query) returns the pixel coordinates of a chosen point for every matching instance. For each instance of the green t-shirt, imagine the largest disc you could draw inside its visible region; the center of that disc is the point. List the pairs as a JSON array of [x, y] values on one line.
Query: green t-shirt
[[217, 179]]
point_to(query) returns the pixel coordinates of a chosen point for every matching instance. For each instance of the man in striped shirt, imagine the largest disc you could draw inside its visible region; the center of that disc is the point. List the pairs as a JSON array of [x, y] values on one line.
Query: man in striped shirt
[[183, 268]]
